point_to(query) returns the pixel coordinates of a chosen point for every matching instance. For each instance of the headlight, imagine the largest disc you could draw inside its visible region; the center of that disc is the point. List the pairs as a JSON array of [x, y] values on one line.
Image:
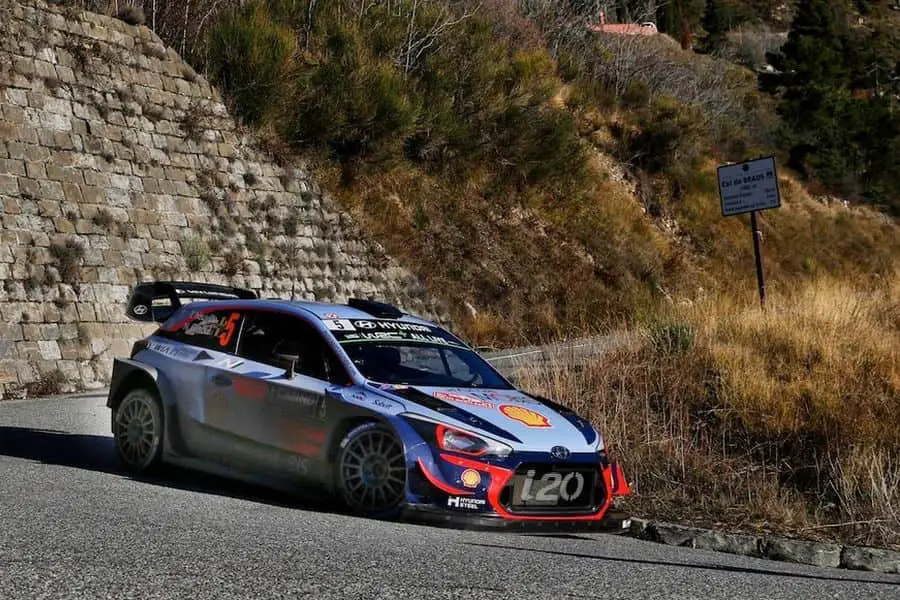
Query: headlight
[[601, 446], [456, 440]]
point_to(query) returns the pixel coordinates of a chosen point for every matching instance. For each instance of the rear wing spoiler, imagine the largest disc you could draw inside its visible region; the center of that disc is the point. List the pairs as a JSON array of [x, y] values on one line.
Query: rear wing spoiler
[[158, 300]]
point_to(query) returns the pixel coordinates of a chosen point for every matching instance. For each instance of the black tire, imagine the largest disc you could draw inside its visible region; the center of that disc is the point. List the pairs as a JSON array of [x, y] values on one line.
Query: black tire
[[370, 471], [138, 426]]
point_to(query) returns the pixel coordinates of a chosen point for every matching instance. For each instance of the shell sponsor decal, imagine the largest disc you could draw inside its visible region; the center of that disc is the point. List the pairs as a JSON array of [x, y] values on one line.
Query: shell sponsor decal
[[525, 416], [463, 399], [470, 478]]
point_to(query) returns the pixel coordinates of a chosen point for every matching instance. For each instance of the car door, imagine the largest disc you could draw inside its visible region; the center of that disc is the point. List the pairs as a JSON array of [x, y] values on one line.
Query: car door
[[210, 339], [271, 404]]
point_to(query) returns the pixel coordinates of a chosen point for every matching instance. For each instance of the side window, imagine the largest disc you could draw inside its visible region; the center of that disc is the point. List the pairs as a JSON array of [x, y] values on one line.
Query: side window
[[460, 369], [215, 331], [266, 335]]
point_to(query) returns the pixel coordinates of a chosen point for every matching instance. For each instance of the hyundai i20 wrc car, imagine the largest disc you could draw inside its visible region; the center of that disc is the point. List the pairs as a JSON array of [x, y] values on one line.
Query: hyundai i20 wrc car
[[390, 413]]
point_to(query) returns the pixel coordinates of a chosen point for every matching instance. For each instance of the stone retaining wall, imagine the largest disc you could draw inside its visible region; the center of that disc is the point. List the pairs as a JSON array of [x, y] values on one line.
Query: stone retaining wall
[[119, 164]]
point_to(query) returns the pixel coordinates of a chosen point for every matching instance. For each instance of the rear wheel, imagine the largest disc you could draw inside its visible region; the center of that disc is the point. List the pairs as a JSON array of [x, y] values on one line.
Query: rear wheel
[[138, 430], [371, 470]]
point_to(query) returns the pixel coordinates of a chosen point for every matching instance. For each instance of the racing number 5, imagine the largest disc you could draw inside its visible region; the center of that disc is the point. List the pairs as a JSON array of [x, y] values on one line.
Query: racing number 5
[[226, 335]]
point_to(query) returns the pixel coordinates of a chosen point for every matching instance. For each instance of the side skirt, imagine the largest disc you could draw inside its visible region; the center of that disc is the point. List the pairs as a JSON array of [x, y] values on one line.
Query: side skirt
[[210, 468]]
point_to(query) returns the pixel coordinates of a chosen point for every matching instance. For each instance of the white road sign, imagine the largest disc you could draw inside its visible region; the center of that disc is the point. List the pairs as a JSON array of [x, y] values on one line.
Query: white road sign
[[749, 186]]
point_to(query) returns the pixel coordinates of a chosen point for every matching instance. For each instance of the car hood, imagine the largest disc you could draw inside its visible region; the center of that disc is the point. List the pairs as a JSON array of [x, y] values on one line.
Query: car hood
[[520, 420]]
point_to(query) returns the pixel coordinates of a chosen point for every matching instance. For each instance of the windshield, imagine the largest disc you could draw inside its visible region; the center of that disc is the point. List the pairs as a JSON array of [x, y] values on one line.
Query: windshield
[[403, 363], [403, 353]]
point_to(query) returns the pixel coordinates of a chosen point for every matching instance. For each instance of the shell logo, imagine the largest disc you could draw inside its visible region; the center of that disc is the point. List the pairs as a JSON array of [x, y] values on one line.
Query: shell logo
[[524, 415], [470, 478]]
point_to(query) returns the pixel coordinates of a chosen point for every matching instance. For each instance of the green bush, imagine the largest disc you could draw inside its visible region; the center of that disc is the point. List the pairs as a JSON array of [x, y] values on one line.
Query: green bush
[[68, 257], [196, 253], [670, 139], [250, 59], [671, 337], [375, 90]]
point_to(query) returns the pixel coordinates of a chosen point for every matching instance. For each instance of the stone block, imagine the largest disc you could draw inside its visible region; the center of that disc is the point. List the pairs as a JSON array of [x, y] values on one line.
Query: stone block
[[36, 170], [29, 351], [14, 114], [86, 312], [15, 149], [870, 559], [9, 166], [52, 190], [55, 172], [9, 185], [72, 192], [744, 545], [802, 552]]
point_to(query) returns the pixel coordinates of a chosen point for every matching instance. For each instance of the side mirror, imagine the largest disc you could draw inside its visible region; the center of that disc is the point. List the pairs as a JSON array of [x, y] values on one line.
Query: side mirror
[[291, 361]]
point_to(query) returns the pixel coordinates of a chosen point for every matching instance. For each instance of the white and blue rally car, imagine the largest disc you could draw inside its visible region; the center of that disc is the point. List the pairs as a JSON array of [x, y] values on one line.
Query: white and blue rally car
[[388, 412]]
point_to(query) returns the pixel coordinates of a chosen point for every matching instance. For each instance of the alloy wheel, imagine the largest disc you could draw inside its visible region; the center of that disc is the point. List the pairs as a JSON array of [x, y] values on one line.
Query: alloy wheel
[[373, 470], [138, 429]]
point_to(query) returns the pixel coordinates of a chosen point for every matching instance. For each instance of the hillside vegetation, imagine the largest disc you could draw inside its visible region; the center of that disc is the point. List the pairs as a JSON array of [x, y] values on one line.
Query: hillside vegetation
[[546, 181], [478, 157]]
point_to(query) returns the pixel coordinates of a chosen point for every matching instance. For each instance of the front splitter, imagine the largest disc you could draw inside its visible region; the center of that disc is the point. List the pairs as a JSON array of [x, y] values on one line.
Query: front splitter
[[612, 522]]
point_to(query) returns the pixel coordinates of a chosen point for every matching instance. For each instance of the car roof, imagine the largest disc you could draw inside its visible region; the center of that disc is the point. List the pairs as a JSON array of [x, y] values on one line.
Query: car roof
[[321, 310]]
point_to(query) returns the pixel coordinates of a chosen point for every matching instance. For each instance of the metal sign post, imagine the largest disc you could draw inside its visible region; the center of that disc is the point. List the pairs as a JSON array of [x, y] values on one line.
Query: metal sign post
[[757, 252], [749, 187]]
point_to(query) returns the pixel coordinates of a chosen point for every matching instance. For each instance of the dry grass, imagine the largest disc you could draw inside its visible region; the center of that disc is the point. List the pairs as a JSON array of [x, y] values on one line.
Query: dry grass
[[779, 421]]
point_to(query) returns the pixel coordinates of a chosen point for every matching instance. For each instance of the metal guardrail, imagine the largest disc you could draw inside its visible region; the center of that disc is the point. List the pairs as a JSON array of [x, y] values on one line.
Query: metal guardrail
[[575, 352]]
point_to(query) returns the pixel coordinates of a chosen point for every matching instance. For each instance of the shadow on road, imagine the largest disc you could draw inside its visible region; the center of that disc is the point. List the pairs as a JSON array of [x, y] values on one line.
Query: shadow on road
[[98, 453], [850, 577]]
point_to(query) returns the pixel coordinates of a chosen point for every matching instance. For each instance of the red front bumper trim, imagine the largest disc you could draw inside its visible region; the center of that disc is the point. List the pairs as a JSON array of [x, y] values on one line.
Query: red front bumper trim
[[500, 477], [439, 484]]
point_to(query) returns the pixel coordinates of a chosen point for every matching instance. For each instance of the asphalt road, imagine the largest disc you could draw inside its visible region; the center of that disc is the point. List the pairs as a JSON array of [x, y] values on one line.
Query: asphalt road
[[73, 526]]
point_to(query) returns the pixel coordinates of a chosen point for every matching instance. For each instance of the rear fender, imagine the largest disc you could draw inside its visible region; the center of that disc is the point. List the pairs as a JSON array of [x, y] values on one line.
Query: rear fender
[[126, 373], [129, 372]]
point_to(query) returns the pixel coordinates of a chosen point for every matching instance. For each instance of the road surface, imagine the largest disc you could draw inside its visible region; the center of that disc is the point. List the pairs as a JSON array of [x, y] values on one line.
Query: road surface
[[74, 526]]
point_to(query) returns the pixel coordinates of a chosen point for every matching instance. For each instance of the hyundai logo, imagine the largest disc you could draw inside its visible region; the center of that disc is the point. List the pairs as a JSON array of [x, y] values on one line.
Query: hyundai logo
[[559, 452]]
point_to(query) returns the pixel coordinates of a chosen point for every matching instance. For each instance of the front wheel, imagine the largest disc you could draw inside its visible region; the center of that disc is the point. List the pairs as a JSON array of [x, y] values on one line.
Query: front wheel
[[371, 470], [138, 430]]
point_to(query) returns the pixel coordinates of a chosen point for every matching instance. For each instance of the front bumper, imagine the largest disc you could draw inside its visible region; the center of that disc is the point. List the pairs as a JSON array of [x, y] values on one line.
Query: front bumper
[[461, 492]]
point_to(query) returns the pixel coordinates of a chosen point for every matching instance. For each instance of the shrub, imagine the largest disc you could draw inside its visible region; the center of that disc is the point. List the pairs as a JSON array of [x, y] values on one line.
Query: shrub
[[133, 15], [290, 225], [478, 93], [68, 257], [232, 263], [196, 253], [195, 120], [250, 58], [670, 337], [47, 385], [103, 219], [669, 139]]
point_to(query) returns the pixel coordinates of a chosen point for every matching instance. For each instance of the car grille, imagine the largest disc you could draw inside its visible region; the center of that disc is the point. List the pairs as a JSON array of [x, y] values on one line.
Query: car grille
[[553, 489]]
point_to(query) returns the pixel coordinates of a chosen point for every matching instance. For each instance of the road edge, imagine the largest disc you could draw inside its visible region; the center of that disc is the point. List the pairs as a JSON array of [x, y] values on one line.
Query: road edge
[[804, 552]]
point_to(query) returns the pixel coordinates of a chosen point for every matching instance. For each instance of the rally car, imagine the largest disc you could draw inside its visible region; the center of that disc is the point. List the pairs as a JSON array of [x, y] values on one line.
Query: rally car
[[387, 412]]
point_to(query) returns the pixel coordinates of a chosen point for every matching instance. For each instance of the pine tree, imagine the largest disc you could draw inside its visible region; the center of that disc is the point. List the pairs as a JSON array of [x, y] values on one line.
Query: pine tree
[[715, 23], [846, 140], [815, 51]]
